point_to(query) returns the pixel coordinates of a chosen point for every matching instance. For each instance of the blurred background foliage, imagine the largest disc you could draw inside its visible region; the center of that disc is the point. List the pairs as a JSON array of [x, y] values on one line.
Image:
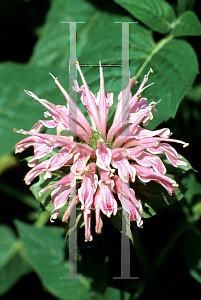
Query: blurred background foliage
[[166, 254]]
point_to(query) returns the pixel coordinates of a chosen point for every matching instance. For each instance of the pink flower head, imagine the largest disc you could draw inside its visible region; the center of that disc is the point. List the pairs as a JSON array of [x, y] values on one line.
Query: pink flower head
[[103, 161]]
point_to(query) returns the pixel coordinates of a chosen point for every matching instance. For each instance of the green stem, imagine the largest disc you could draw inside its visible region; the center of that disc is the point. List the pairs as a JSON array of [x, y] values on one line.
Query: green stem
[[42, 219], [157, 47]]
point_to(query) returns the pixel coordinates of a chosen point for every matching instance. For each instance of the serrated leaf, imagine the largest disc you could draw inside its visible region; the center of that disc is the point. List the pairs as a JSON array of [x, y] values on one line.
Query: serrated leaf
[[187, 24], [18, 110], [156, 14], [45, 250], [169, 60], [53, 47], [171, 78]]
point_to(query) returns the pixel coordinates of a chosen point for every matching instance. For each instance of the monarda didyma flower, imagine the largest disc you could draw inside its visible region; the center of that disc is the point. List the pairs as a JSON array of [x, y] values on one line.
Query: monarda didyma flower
[[103, 162]]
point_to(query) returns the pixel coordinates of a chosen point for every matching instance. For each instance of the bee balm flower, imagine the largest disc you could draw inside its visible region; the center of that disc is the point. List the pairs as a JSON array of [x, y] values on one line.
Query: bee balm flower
[[103, 161]]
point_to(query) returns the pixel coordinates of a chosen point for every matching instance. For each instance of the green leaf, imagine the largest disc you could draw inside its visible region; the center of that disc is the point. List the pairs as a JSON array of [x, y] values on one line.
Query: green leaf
[[192, 252], [10, 274], [45, 250], [175, 67], [18, 110], [12, 265], [183, 5], [112, 293], [187, 24], [156, 14], [170, 60], [53, 47], [193, 187], [9, 245]]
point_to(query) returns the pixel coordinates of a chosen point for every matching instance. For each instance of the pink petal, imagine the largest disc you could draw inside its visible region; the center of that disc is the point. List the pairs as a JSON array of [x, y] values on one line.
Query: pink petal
[[54, 163], [99, 222], [129, 203], [87, 224], [77, 115], [147, 174], [131, 130], [104, 156], [86, 193], [70, 207], [120, 116], [170, 153], [135, 98], [59, 198], [154, 161], [79, 164], [125, 170], [106, 200], [91, 106]]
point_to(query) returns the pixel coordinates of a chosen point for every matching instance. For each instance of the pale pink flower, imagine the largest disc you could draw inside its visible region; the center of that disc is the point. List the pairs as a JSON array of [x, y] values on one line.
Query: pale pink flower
[[102, 161]]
